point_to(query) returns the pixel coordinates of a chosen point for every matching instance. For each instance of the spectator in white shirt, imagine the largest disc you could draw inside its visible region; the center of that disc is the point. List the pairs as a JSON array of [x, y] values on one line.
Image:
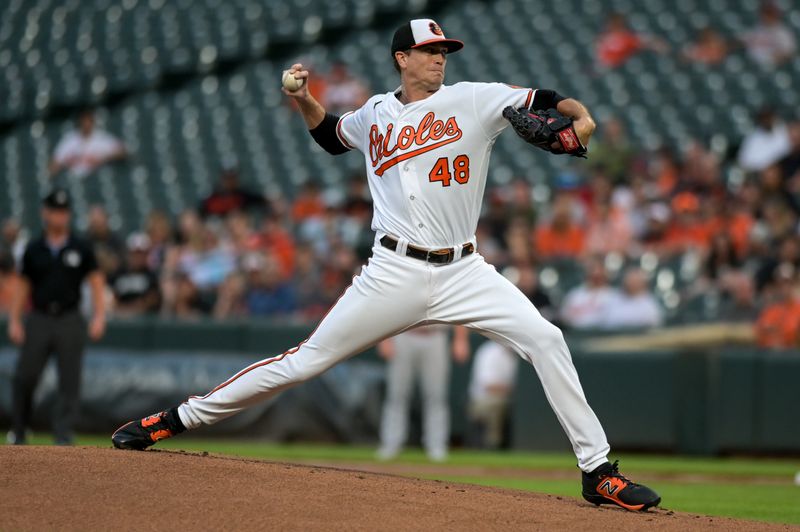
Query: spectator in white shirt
[[586, 305], [765, 145], [771, 42], [344, 92], [635, 306], [83, 150], [494, 374]]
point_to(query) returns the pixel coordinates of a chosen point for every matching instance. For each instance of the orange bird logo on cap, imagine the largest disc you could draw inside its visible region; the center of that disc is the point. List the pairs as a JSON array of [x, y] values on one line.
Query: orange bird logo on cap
[[435, 29]]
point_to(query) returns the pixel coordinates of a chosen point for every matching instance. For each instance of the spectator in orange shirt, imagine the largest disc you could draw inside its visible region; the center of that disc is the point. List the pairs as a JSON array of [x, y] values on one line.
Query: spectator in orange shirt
[[276, 241], [561, 237], [308, 204], [709, 48], [618, 43], [778, 326], [688, 228]]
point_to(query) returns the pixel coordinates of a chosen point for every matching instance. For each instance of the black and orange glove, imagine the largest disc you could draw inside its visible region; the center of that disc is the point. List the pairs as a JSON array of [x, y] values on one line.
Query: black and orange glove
[[548, 130]]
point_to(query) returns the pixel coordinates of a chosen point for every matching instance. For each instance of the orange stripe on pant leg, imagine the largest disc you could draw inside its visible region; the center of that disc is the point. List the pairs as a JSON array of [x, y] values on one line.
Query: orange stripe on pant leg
[[276, 358], [252, 367]]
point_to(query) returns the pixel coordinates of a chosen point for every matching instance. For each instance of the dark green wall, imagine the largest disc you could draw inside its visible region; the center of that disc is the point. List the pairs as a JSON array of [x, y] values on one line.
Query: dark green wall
[[703, 401]]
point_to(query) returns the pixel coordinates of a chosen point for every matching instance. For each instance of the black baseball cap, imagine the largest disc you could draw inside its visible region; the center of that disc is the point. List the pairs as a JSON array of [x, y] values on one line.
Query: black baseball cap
[[419, 32], [57, 199]]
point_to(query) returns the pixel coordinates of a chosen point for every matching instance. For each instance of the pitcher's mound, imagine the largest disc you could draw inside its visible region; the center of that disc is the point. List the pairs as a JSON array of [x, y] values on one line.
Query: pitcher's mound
[[56, 488]]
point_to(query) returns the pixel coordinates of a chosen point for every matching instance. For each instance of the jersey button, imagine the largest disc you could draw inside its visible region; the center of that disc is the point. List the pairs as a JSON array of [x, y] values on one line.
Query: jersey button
[[411, 197], [421, 226]]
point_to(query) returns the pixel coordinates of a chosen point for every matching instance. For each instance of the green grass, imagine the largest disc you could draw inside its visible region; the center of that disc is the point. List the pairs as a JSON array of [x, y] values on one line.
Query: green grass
[[726, 488], [780, 504]]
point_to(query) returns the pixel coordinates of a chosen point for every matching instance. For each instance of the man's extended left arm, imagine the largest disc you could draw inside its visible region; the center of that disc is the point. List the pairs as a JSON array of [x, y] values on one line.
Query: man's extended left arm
[[97, 285]]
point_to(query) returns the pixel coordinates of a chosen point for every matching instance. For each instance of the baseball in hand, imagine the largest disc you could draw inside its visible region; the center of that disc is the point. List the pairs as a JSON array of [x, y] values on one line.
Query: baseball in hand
[[291, 83]]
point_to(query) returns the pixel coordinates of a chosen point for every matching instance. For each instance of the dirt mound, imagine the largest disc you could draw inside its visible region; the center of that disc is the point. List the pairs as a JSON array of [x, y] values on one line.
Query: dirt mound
[[102, 489]]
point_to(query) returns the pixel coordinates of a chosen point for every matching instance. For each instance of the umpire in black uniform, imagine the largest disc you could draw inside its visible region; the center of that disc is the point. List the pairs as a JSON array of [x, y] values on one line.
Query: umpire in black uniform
[[52, 271]]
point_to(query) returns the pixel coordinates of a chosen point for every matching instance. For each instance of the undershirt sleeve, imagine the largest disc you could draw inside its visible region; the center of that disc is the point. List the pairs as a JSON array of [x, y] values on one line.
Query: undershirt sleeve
[[545, 99], [325, 135]]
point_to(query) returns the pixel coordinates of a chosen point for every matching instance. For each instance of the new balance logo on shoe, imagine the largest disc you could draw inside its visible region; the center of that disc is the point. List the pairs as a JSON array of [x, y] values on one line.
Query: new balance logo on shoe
[[606, 486]]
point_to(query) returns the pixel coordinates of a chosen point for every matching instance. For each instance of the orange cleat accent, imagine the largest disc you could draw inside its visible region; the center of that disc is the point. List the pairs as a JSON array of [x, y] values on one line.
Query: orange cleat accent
[[606, 485], [142, 433], [160, 435], [151, 420]]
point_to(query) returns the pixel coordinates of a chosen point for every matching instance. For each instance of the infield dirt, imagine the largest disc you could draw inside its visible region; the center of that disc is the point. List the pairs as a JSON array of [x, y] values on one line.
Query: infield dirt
[[86, 488]]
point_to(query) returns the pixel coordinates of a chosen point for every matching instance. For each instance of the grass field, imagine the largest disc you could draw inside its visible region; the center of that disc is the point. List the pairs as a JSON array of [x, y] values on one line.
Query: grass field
[[747, 488]]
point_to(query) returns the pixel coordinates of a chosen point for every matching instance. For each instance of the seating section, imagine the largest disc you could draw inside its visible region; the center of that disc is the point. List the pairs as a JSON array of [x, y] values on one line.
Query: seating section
[[76, 52], [61, 56]]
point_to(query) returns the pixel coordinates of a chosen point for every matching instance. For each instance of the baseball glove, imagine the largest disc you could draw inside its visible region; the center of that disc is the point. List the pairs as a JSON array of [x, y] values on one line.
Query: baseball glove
[[548, 130]]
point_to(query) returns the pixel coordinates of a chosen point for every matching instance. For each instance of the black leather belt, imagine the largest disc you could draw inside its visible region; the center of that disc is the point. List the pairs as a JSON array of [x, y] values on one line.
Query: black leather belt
[[436, 256]]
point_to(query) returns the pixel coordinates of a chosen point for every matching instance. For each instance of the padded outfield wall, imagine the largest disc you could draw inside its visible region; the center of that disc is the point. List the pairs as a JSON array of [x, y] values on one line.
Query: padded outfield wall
[[704, 401]]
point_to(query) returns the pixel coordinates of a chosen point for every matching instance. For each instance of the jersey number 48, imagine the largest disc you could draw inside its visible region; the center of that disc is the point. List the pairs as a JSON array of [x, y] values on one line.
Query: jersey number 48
[[441, 170]]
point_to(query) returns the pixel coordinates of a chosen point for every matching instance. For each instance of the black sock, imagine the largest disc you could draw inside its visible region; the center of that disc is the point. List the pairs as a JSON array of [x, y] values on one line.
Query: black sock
[[174, 421], [603, 468]]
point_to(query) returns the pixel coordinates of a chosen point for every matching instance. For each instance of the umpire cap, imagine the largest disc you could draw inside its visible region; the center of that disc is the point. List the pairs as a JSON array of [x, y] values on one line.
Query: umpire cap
[[57, 199]]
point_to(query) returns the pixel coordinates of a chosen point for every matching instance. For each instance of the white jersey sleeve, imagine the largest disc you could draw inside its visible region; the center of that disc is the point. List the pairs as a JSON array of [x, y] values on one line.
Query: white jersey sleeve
[[489, 100], [352, 126]]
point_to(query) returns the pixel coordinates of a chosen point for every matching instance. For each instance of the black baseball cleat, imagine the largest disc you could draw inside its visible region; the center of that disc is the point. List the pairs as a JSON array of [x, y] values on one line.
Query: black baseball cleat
[[142, 433], [606, 485]]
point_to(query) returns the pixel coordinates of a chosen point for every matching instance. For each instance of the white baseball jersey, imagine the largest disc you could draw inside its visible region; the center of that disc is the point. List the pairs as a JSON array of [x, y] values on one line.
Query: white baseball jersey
[[427, 160]]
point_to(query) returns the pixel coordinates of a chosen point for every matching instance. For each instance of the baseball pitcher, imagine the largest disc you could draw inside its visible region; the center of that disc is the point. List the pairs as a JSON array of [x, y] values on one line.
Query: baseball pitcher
[[426, 147]]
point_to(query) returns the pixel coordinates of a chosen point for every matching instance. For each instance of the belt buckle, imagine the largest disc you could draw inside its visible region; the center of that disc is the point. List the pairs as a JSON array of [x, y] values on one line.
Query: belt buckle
[[441, 253]]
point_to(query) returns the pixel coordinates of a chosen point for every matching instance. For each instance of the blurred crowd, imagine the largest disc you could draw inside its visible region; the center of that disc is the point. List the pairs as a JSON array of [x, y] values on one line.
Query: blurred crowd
[[630, 239], [724, 224], [769, 42]]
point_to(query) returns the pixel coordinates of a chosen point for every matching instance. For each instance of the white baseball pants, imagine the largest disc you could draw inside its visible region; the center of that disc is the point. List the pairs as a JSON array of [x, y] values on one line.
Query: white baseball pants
[[393, 293], [420, 355]]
